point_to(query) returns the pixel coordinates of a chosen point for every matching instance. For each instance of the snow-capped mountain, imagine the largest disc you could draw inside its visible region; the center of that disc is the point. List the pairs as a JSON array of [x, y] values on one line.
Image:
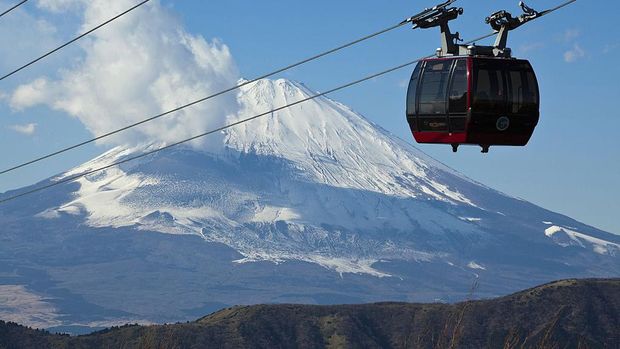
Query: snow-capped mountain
[[310, 204]]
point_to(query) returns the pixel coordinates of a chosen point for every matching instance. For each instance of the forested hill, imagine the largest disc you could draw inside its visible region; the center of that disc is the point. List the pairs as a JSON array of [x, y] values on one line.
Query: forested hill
[[563, 314]]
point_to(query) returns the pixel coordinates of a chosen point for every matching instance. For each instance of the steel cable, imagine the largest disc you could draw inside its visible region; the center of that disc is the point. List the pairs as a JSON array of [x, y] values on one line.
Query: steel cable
[[13, 7]]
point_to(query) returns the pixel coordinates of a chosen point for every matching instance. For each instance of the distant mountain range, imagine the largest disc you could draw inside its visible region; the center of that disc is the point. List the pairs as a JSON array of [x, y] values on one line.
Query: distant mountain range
[[563, 314], [313, 204]]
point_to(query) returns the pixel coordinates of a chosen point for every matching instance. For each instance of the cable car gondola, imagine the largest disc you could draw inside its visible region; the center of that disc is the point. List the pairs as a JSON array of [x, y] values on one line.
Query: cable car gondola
[[472, 94]]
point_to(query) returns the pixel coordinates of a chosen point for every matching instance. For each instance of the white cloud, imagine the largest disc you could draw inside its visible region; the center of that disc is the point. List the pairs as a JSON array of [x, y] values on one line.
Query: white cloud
[[571, 34], [574, 54], [59, 5], [25, 36], [27, 129], [530, 47], [610, 47], [139, 66], [28, 95]]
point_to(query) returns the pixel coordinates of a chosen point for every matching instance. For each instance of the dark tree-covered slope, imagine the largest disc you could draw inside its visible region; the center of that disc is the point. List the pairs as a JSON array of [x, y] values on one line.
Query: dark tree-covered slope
[[563, 314]]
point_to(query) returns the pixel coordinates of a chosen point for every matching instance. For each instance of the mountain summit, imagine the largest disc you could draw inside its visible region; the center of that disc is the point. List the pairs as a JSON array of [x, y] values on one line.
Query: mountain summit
[[312, 204]]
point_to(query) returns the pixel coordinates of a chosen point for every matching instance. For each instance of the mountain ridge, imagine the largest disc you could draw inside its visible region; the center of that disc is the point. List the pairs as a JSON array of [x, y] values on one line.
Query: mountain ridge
[[315, 192], [567, 314]]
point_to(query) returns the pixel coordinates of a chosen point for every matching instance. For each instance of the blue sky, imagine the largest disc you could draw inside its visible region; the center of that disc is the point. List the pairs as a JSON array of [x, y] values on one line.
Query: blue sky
[[572, 164]]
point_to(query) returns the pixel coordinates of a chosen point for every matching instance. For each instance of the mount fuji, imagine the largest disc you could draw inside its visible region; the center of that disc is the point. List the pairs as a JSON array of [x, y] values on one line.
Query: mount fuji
[[312, 204]]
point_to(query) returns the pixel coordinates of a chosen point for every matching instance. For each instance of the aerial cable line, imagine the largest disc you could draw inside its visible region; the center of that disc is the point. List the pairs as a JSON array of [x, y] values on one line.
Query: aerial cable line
[[557, 7], [73, 40], [13, 8], [239, 122], [246, 83], [179, 108]]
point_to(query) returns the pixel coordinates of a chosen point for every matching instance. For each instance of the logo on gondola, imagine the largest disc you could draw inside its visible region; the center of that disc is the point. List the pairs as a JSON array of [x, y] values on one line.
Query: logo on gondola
[[436, 124], [503, 123]]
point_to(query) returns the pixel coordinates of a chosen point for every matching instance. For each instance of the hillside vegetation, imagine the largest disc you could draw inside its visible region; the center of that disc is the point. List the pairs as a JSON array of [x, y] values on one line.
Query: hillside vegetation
[[563, 314]]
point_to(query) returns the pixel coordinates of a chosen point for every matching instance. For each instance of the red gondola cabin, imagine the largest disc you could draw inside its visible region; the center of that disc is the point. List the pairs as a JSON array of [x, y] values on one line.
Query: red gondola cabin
[[473, 100]]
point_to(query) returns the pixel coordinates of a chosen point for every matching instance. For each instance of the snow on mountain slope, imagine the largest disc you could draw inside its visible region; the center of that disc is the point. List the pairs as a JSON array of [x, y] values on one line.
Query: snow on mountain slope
[[325, 145], [334, 145], [335, 190], [567, 237]]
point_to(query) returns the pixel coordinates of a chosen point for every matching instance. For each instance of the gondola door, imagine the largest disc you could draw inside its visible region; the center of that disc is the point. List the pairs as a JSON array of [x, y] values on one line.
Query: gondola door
[[432, 107], [458, 97]]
